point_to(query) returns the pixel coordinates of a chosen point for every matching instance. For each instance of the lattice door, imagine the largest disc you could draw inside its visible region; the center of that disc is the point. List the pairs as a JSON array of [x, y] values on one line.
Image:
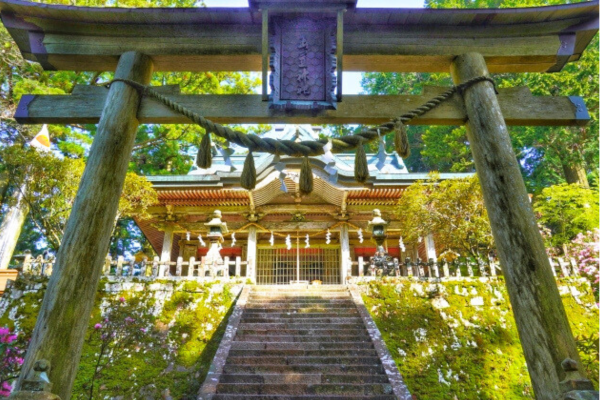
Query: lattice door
[[276, 266]]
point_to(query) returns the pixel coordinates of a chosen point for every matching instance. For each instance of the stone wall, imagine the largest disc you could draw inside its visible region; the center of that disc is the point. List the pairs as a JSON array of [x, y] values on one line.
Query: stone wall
[[457, 339], [146, 340]]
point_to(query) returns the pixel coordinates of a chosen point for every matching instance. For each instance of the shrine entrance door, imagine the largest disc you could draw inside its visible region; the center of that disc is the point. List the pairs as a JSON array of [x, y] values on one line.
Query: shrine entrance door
[[280, 266]]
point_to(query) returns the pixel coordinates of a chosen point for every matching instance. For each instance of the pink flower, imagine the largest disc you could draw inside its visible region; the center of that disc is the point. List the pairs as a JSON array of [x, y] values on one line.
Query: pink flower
[[98, 326], [129, 320], [144, 330], [122, 299]]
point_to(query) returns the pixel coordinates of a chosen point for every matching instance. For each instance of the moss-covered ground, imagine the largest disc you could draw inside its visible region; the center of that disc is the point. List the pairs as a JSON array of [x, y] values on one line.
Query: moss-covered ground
[[146, 340], [458, 340]]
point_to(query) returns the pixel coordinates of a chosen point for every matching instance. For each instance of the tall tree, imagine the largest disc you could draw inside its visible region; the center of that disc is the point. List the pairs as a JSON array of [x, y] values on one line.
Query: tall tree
[[547, 155]]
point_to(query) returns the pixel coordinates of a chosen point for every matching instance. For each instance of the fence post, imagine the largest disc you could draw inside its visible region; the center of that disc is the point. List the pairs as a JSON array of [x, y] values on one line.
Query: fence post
[[119, 270], [107, 263], [574, 266], [563, 267], [131, 267], [238, 266], [446, 269], [361, 266], [191, 266], [436, 268], [155, 266], [178, 266], [27, 262], [203, 267], [552, 266]]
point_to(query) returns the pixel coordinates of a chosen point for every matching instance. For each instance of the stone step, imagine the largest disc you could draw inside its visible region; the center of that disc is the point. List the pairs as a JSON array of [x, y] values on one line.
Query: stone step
[[300, 346], [304, 353], [284, 308], [305, 389], [302, 320], [299, 360], [304, 302], [301, 326], [294, 314], [308, 379], [274, 338], [303, 332], [289, 296], [338, 369], [306, 397], [298, 289]]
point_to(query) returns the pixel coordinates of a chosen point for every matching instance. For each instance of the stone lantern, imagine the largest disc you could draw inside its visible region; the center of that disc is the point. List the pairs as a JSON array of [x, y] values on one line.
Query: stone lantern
[[380, 263], [216, 229], [378, 228]]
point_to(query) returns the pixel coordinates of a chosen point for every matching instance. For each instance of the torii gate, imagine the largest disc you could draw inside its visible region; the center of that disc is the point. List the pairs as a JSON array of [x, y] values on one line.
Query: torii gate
[[467, 43]]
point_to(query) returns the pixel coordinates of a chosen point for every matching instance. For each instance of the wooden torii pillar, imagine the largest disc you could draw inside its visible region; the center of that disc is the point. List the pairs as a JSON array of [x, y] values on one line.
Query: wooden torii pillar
[[550, 38]]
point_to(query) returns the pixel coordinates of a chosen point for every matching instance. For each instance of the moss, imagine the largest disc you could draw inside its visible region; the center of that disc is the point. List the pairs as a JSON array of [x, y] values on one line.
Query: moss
[[446, 346], [185, 321]]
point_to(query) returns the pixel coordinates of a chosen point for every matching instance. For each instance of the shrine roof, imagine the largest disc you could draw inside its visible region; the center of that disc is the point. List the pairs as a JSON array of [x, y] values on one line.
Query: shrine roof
[[401, 40], [225, 172]]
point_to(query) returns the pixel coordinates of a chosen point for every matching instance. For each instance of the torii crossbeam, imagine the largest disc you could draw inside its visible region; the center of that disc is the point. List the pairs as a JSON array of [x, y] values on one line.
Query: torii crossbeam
[[305, 45]]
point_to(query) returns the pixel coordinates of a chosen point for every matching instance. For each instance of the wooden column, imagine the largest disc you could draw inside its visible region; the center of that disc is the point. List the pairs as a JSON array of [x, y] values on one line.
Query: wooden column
[[541, 319], [65, 313], [251, 254], [165, 254], [345, 259]]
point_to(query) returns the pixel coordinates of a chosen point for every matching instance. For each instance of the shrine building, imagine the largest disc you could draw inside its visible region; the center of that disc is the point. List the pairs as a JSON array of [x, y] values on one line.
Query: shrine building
[[269, 226]]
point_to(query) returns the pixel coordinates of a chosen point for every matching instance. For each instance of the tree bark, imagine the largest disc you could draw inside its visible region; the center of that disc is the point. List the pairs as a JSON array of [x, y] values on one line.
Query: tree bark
[[65, 313], [541, 320], [12, 224], [575, 173]]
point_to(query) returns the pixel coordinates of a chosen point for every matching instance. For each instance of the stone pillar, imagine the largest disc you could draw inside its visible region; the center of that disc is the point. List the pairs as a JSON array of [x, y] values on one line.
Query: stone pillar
[[541, 320], [65, 312], [251, 254], [345, 260], [165, 254], [430, 247]]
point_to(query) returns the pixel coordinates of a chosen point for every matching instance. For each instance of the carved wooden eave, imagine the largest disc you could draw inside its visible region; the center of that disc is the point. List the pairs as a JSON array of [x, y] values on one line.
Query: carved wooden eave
[[539, 39]]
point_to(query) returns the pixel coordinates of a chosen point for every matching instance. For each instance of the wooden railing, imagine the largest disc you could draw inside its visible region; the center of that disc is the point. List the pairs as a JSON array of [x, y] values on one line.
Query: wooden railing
[[457, 268], [146, 268]]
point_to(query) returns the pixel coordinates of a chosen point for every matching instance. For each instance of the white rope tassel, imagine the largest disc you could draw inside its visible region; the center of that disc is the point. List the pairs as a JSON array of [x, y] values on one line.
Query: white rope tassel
[[233, 239], [401, 244], [187, 236], [288, 242], [328, 237], [272, 239], [360, 236], [201, 241], [307, 241]]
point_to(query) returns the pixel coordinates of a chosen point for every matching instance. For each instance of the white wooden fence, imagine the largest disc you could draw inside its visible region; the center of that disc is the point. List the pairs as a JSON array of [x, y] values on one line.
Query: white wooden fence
[[146, 268], [560, 266]]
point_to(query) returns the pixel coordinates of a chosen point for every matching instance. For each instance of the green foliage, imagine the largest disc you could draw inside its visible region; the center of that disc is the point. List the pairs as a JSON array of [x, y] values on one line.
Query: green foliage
[[453, 209], [447, 348], [567, 210], [51, 184], [165, 335], [548, 155]]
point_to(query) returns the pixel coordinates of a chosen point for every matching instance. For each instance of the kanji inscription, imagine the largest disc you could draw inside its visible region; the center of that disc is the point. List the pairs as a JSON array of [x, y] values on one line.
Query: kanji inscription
[[303, 63]]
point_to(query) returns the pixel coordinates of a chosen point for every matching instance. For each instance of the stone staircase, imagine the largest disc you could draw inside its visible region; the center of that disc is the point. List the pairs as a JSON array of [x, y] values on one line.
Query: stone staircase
[[300, 343]]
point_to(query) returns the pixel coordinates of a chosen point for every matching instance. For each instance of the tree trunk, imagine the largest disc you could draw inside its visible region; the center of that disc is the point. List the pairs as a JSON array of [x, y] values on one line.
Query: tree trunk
[[65, 313], [541, 320], [12, 224], [575, 173]]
